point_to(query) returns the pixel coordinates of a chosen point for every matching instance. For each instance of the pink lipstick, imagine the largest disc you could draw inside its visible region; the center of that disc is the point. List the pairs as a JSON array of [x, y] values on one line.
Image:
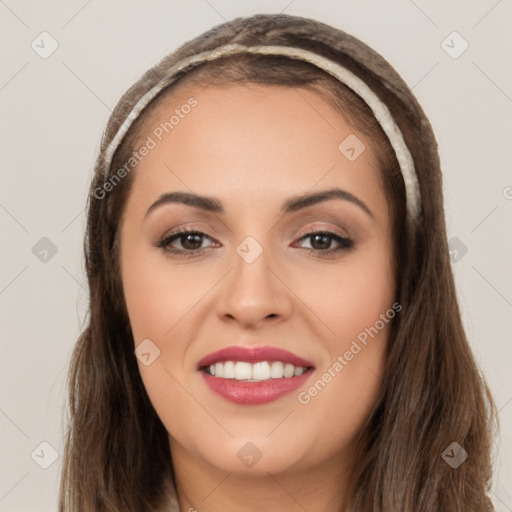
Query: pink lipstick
[[254, 375]]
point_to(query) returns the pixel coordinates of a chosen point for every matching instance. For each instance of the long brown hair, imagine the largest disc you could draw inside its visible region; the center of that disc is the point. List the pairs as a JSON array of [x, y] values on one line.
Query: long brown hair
[[117, 455]]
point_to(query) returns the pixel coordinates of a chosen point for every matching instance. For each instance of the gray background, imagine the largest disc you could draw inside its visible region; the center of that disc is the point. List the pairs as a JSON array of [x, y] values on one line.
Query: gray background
[[53, 112]]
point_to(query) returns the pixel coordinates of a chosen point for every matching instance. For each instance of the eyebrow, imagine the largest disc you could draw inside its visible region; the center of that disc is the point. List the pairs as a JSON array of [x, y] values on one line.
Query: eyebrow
[[292, 204]]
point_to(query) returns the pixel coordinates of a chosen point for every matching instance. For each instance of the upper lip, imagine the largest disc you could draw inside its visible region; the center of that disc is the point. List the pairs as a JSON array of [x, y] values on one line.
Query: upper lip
[[253, 355]]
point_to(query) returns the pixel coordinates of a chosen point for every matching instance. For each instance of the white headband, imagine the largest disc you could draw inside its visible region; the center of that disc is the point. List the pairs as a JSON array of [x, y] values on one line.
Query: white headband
[[345, 76]]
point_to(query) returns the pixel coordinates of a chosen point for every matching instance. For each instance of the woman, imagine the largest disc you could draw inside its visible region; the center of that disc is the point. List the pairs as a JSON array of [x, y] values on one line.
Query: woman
[[273, 318]]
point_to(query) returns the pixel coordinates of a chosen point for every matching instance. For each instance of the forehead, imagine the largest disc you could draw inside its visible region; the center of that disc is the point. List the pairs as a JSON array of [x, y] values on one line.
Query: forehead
[[258, 139]]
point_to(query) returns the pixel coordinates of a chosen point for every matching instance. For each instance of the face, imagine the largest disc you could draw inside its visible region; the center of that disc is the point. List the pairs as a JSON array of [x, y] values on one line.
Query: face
[[253, 276]]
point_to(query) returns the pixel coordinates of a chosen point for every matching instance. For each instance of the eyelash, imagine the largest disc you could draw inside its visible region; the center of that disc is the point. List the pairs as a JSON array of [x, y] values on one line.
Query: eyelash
[[346, 244]]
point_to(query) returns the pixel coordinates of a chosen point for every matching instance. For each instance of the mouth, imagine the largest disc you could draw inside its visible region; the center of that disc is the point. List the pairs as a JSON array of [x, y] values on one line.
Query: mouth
[[255, 375], [256, 372]]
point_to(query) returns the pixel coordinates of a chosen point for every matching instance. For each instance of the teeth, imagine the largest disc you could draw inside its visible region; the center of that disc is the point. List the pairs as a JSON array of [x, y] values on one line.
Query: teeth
[[260, 371], [228, 370], [276, 370], [288, 370], [243, 371]]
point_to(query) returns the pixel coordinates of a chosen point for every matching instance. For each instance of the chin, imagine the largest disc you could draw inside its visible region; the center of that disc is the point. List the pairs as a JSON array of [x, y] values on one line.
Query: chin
[[256, 456]]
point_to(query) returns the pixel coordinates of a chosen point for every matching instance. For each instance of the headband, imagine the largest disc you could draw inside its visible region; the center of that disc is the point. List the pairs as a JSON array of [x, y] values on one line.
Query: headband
[[344, 75]]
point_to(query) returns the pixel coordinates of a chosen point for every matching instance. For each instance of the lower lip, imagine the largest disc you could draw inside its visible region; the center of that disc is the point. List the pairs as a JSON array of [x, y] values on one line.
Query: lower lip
[[253, 393]]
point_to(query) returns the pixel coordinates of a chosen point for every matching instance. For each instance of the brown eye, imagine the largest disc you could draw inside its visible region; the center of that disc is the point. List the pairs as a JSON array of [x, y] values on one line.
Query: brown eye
[[190, 240], [321, 242]]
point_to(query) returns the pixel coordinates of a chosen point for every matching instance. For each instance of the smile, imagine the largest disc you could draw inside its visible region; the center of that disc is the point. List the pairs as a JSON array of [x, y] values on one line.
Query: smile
[[254, 375], [257, 372]]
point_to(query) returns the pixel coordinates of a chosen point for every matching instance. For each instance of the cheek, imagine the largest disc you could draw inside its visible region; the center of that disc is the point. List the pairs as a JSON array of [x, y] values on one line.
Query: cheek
[[356, 303], [350, 296], [158, 295], [160, 302]]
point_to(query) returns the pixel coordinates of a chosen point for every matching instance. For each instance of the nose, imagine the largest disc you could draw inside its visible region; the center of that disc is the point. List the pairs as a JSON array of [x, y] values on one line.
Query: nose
[[254, 294]]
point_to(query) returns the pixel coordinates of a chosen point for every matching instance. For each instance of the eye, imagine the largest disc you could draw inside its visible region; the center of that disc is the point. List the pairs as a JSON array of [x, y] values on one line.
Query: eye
[[321, 242], [189, 239], [191, 242]]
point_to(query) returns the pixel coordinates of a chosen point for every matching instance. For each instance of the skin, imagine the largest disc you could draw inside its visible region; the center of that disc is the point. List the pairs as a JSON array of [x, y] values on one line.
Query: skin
[[252, 148]]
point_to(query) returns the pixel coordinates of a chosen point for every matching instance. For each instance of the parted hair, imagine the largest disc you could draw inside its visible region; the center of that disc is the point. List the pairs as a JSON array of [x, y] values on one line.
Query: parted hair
[[117, 455]]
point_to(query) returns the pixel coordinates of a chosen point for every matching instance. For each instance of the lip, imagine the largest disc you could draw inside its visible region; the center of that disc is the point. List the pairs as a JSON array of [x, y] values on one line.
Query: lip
[[253, 355], [244, 392], [253, 393]]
